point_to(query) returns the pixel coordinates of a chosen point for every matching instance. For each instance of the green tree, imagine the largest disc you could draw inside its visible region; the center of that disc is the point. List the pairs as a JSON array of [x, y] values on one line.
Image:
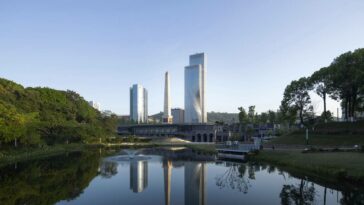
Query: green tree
[[272, 117], [263, 118], [322, 81], [251, 114], [327, 117], [347, 72], [243, 117], [31, 116], [296, 99]]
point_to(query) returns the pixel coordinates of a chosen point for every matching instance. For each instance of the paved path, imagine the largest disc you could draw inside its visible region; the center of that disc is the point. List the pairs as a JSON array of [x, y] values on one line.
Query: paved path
[[302, 147]]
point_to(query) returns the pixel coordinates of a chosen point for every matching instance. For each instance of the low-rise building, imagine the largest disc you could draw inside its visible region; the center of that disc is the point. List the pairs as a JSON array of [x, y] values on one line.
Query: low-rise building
[[178, 115], [191, 132]]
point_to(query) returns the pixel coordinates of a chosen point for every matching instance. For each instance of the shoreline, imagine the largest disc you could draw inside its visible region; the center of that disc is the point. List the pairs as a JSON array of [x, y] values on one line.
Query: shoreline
[[24, 154], [324, 166]]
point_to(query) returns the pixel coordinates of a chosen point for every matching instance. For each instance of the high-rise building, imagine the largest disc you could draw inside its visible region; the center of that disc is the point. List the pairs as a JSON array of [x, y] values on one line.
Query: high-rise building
[[195, 80], [138, 104], [167, 117], [95, 105], [178, 115]]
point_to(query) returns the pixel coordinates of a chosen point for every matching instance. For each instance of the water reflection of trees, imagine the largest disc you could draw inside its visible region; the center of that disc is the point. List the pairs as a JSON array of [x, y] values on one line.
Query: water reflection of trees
[[234, 177], [302, 193], [47, 181], [352, 198], [108, 169]]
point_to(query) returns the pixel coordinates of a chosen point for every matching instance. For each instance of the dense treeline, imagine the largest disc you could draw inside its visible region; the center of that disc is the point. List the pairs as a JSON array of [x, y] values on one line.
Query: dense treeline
[[342, 80], [213, 117], [252, 117], [36, 116]]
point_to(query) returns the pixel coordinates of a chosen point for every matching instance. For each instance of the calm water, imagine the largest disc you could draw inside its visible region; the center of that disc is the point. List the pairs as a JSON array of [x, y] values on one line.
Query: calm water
[[161, 176]]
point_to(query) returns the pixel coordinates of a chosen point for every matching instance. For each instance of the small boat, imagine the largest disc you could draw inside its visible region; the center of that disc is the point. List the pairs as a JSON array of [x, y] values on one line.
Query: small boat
[[231, 154]]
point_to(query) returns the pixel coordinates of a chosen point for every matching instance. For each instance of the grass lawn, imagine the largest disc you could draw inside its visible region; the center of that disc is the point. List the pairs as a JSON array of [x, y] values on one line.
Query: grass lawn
[[344, 165], [205, 148], [320, 139]]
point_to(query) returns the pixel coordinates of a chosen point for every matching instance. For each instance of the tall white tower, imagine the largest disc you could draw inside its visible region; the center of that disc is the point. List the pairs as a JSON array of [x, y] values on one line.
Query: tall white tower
[[167, 117], [195, 80]]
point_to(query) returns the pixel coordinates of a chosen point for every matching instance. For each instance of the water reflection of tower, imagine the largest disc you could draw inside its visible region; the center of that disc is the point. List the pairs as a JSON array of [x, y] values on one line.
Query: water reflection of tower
[[138, 175], [195, 183], [167, 170]]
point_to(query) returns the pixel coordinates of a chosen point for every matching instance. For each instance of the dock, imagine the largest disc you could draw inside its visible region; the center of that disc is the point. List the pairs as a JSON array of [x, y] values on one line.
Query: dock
[[235, 151]]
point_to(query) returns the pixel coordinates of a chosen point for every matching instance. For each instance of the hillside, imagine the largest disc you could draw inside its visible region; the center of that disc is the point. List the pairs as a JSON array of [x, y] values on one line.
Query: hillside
[[33, 116]]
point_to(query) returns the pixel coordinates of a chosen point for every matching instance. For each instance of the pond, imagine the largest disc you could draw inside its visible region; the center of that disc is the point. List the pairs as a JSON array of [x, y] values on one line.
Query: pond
[[161, 176]]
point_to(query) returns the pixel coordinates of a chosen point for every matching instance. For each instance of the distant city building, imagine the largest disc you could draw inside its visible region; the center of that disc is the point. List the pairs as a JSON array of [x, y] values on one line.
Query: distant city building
[[138, 104], [124, 118], [138, 175], [94, 105], [178, 115], [107, 113], [167, 117], [153, 120], [195, 80]]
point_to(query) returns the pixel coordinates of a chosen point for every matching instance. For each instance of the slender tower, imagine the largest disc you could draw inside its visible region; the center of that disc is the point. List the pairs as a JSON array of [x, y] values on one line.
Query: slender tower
[[167, 117]]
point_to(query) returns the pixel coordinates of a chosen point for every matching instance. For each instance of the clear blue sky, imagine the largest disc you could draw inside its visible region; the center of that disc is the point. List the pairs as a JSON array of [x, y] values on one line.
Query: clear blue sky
[[100, 48]]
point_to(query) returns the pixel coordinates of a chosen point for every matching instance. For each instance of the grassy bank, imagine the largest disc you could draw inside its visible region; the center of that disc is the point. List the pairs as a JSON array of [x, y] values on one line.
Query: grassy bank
[[205, 148], [23, 154], [320, 139], [339, 165]]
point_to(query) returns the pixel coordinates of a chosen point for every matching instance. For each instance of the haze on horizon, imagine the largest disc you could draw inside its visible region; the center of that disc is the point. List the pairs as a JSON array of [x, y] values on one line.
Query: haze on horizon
[[100, 48]]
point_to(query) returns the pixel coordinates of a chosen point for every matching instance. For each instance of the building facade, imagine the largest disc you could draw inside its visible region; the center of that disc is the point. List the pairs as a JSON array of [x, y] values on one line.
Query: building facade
[[178, 115], [192, 132], [195, 80], [138, 104]]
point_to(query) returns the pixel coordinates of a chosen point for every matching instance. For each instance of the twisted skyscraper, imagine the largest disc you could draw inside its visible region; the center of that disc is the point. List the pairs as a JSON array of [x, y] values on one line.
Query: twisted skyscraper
[[195, 111]]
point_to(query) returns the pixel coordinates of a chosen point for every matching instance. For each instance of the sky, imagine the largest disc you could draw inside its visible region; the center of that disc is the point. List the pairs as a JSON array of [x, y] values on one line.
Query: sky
[[100, 48]]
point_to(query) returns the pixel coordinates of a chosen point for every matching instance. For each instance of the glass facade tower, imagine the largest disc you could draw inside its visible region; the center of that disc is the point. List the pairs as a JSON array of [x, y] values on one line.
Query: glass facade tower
[[195, 79], [138, 104]]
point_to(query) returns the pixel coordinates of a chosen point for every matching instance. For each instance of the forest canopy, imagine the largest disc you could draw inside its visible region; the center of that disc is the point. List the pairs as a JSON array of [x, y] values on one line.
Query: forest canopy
[[36, 116]]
